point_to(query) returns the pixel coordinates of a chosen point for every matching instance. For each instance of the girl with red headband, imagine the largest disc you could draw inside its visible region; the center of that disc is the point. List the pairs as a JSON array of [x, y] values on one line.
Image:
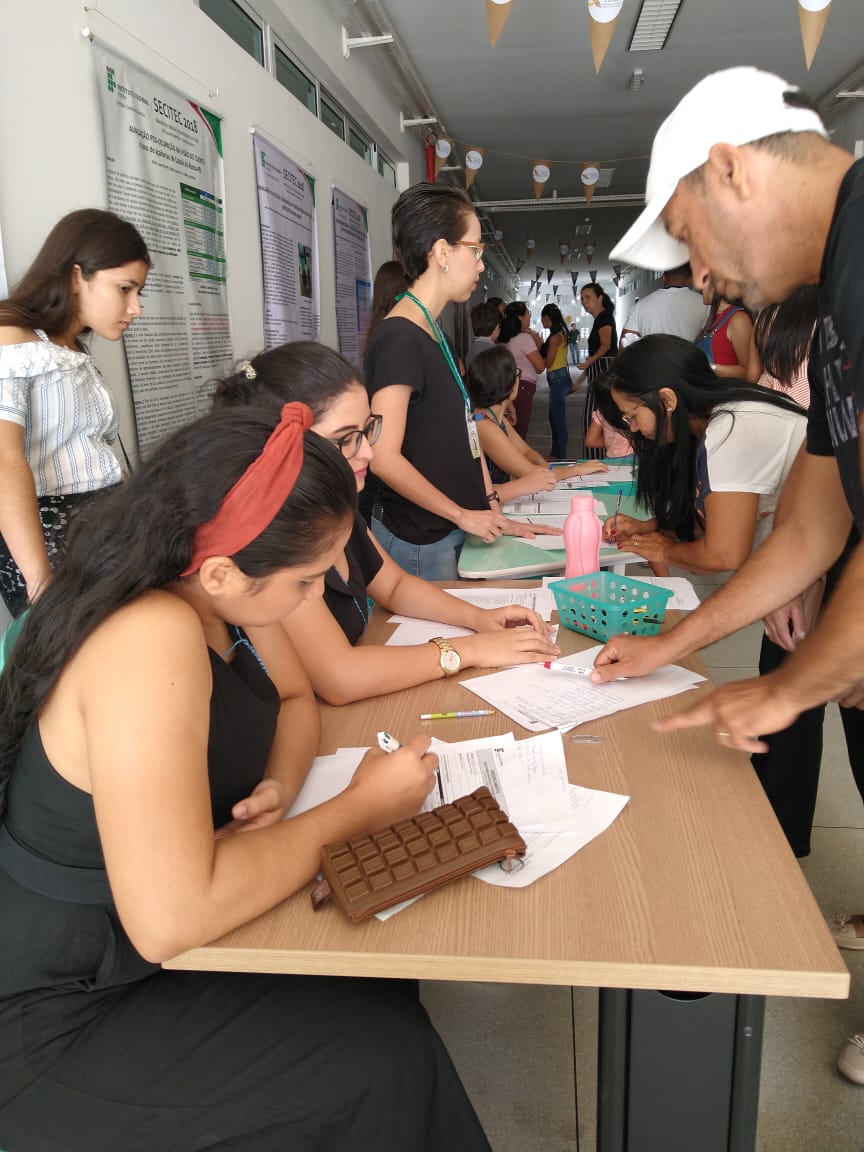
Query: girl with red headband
[[154, 727], [326, 630]]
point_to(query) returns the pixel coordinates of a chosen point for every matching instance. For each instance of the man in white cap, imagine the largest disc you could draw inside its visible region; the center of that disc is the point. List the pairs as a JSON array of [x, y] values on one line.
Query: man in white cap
[[744, 182]]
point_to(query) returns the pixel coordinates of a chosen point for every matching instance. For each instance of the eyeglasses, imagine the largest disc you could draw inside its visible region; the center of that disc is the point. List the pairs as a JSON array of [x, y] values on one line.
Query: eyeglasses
[[629, 417], [477, 249], [349, 444]]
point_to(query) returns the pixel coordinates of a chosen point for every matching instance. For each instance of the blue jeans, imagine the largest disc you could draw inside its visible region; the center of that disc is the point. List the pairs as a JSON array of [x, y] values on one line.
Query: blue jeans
[[559, 390], [437, 561]]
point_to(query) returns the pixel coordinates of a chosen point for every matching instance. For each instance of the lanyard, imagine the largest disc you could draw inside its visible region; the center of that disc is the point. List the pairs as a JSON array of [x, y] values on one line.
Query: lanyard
[[443, 345]]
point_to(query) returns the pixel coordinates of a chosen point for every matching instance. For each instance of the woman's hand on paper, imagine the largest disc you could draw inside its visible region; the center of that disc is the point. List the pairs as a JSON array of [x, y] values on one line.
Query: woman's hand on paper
[[507, 647], [510, 616], [487, 525], [526, 531], [617, 526], [393, 785], [651, 546]]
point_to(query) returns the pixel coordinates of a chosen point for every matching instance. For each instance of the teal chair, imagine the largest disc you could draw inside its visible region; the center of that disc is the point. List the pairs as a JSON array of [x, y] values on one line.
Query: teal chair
[[7, 640]]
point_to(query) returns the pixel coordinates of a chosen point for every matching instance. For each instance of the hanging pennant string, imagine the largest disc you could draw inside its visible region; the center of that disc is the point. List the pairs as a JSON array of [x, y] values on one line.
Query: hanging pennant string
[[550, 162]]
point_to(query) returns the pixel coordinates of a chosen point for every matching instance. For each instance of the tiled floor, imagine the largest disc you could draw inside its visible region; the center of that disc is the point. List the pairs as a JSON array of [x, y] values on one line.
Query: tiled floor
[[514, 1045]]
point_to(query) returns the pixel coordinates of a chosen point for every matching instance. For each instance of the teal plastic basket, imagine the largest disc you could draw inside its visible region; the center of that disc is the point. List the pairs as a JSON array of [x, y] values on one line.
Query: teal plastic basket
[[603, 604]]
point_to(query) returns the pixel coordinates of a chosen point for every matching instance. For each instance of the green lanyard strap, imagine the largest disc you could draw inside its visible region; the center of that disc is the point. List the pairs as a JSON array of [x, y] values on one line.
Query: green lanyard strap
[[442, 344]]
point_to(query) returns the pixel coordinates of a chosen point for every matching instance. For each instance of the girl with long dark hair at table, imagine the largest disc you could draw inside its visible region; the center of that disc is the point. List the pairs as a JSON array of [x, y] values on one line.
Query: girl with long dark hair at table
[[326, 631], [155, 726]]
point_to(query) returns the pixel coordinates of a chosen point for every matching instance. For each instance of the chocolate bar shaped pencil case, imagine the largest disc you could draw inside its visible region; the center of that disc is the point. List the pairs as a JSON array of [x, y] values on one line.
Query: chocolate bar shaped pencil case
[[367, 874]]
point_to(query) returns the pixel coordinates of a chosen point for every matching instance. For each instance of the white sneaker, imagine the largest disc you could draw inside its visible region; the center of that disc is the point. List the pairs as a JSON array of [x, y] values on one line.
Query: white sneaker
[[851, 1060], [847, 930]]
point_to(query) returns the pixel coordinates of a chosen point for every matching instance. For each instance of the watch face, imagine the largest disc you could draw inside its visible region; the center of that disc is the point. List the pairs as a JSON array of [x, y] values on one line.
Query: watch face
[[450, 661]]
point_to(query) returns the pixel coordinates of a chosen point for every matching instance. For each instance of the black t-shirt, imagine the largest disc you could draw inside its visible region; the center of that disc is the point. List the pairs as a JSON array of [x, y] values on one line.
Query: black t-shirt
[[836, 369], [347, 601], [606, 319], [436, 432]]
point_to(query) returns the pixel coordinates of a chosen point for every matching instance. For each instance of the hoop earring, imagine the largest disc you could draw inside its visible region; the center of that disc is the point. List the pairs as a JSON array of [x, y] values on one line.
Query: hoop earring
[[446, 268]]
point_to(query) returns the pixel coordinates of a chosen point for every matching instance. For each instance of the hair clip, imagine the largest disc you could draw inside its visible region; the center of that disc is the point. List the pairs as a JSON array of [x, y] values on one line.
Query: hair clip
[[247, 370]]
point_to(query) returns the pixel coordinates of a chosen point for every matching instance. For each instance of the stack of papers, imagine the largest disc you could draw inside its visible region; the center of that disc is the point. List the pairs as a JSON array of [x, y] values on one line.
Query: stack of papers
[[528, 778], [539, 698]]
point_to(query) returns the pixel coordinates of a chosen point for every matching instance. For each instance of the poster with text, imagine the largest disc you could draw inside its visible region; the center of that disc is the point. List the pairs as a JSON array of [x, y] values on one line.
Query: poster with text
[[289, 246], [353, 274], [164, 159]]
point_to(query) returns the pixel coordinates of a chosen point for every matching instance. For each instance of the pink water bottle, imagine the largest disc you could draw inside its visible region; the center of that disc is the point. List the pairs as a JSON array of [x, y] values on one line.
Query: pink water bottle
[[582, 535]]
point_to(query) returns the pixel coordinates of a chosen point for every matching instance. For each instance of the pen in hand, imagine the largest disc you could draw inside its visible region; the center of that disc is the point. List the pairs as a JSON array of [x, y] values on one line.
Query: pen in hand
[[388, 743], [613, 532]]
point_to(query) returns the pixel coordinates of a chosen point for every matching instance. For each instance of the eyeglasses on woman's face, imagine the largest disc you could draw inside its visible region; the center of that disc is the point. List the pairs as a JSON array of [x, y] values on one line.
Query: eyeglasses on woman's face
[[477, 248], [629, 418], [349, 444]]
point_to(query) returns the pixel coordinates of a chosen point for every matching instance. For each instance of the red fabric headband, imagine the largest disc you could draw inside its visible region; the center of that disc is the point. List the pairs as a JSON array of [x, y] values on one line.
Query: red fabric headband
[[252, 503]]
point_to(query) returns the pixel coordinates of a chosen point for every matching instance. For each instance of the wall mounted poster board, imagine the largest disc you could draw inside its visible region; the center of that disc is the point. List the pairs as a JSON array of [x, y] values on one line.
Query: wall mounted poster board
[[163, 155], [289, 246], [353, 274]]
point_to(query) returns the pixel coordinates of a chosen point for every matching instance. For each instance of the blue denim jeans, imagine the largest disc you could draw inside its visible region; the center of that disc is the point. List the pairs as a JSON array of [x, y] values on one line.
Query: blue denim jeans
[[437, 561], [559, 390]]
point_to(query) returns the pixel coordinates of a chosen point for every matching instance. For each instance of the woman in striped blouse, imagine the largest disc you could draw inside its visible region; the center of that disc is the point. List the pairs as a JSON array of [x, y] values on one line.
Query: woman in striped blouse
[[57, 419]]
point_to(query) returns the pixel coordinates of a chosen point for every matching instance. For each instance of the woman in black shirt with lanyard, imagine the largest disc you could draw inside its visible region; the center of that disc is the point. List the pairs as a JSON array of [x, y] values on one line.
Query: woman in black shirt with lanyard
[[433, 483]]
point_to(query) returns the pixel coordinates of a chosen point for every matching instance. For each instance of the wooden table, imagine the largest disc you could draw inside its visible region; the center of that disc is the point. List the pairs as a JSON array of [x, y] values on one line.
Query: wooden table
[[693, 888]]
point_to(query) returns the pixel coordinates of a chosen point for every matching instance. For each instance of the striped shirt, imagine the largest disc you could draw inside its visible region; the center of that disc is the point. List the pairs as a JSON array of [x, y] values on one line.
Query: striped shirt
[[58, 397]]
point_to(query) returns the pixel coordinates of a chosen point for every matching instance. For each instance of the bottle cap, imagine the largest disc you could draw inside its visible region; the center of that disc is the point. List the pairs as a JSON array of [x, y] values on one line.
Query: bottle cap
[[582, 501]]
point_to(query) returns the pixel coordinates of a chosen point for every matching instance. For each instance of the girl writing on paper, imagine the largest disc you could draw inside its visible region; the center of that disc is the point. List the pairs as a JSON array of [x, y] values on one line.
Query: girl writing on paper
[[326, 630], [516, 469], [155, 725], [57, 420]]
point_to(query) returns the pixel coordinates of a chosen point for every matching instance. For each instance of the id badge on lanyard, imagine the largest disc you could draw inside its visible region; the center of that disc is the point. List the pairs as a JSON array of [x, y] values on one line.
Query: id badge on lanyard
[[473, 435]]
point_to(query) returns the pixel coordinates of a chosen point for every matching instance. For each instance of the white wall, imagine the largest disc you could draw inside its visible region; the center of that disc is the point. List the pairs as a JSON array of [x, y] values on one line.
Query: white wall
[[52, 153]]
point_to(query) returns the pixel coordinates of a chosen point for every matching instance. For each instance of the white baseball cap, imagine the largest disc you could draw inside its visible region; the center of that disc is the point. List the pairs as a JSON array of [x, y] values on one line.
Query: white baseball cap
[[736, 106]]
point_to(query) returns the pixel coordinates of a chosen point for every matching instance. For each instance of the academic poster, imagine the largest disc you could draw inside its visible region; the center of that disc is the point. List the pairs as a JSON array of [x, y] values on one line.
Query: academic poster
[[163, 154], [289, 246], [353, 274]]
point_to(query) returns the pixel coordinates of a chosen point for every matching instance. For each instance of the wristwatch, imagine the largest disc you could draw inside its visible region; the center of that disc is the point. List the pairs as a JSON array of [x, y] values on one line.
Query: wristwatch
[[450, 660]]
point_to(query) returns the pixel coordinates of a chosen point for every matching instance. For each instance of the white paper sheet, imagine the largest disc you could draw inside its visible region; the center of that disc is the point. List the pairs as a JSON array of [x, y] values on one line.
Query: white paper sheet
[[591, 813], [539, 698], [595, 480], [684, 599], [410, 631], [549, 508]]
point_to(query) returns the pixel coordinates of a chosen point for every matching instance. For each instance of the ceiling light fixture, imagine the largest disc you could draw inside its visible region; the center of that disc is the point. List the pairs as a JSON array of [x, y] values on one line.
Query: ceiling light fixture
[[653, 25]]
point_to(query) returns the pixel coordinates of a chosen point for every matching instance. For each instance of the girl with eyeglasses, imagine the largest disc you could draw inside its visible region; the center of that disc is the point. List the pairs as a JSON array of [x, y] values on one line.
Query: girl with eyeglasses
[[711, 455], [155, 726], [325, 631]]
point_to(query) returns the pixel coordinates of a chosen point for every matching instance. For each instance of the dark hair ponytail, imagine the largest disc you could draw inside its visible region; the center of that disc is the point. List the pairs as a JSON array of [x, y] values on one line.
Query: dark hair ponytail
[[139, 537], [511, 321], [302, 370]]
